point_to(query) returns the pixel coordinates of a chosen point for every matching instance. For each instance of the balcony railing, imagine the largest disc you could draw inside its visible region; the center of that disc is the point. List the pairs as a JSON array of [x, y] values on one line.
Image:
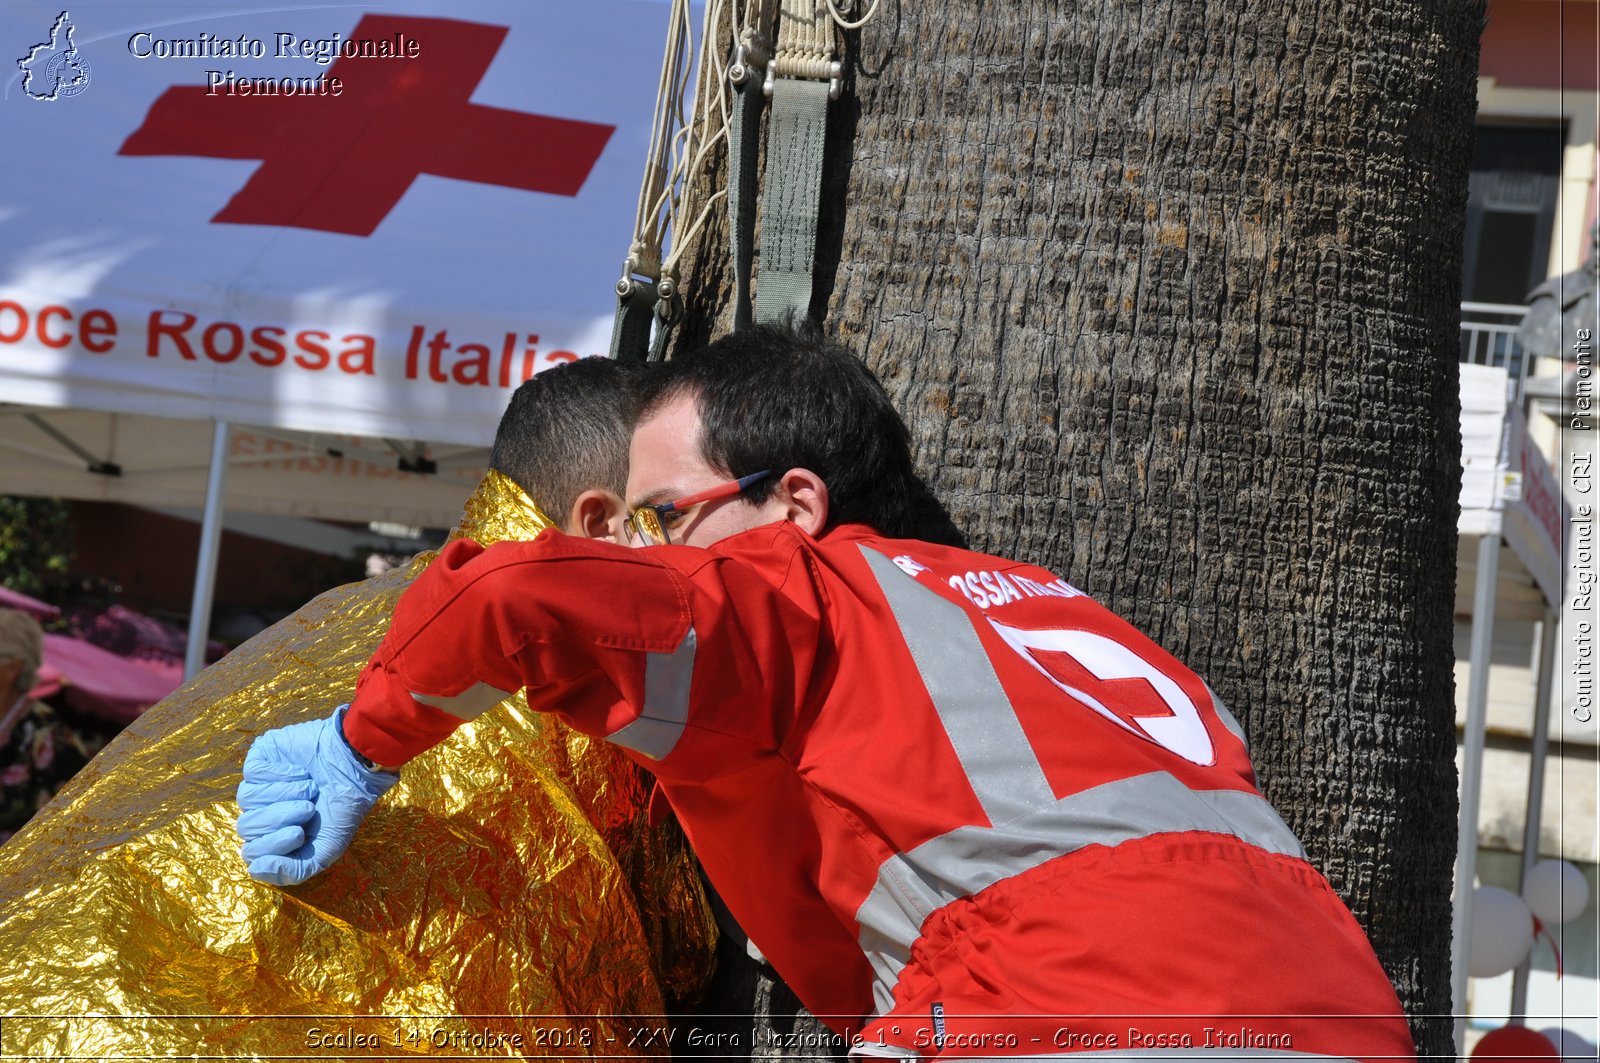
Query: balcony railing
[[1489, 337]]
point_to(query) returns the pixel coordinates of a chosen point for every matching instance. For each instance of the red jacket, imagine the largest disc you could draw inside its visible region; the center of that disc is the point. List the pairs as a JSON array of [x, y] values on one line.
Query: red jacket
[[960, 807]]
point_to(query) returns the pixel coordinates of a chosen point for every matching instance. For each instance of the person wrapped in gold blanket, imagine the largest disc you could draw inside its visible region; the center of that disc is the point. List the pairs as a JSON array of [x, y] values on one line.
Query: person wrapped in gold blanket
[[507, 897]]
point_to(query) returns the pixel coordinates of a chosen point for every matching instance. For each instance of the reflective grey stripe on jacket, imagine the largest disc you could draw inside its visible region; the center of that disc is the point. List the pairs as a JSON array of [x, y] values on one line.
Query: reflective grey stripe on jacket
[[1031, 826], [667, 678], [915, 884]]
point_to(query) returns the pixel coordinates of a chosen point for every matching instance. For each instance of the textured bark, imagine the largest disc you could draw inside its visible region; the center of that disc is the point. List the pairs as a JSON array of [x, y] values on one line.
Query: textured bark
[[1169, 294]]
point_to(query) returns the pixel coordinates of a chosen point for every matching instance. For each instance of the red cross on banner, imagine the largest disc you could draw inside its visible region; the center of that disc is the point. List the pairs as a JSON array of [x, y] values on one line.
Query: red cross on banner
[[341, 163]]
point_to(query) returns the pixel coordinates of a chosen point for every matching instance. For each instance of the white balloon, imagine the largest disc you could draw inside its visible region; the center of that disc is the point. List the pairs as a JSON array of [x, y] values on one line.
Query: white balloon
[[1573, 1048], [1502, 932], [1555, 891]]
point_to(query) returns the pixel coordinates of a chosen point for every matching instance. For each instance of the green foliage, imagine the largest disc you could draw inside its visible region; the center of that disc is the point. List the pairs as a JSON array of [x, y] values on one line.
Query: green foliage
[[35, 543]]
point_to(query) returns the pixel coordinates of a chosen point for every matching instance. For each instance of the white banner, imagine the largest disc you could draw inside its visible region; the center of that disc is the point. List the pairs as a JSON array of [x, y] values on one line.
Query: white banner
[[356, 218]]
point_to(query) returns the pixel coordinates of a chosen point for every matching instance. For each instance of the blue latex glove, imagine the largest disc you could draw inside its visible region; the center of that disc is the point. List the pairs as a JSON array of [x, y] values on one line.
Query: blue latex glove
[[303, 796]]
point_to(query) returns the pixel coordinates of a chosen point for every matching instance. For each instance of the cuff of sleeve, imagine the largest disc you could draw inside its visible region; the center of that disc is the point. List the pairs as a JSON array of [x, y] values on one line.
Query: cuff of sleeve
[[386, 725], [338, 727]]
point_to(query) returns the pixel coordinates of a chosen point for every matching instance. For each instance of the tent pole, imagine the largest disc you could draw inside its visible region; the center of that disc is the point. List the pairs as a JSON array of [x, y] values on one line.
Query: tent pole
[[205, 576], [1538, 756], [1472, 740]]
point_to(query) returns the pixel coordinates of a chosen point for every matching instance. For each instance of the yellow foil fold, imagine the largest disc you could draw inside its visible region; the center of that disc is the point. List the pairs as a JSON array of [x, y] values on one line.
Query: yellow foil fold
[[507, 898]]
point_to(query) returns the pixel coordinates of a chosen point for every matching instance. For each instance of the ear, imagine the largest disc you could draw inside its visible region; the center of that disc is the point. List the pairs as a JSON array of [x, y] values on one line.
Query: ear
[[597, 514], [805, 500]]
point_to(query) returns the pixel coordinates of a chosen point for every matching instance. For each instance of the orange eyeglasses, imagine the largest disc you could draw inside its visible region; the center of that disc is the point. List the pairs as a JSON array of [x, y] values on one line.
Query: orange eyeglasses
[[648, 522]]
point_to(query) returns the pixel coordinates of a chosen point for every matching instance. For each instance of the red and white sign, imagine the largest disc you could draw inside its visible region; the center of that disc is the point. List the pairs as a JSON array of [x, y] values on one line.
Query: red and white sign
[[370, 219]]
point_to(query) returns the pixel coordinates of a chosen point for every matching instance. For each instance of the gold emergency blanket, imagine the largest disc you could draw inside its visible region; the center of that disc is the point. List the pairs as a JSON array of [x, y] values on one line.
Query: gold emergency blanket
[[501, 900]]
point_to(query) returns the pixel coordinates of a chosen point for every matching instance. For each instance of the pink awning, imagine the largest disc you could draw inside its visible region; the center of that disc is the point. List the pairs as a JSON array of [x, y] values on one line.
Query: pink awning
[[102, 684], [11, 599]]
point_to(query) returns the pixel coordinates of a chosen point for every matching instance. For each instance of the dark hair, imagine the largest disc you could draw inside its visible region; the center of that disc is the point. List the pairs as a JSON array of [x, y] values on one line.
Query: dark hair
[[778, 397], [565, 431]]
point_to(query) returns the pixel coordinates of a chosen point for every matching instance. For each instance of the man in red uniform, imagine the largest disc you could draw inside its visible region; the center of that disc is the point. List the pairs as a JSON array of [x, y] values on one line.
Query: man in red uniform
[[962, 809]]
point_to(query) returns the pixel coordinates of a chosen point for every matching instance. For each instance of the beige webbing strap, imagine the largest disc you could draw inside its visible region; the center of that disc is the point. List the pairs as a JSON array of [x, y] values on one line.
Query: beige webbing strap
[[805, 41], [801, 78]]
